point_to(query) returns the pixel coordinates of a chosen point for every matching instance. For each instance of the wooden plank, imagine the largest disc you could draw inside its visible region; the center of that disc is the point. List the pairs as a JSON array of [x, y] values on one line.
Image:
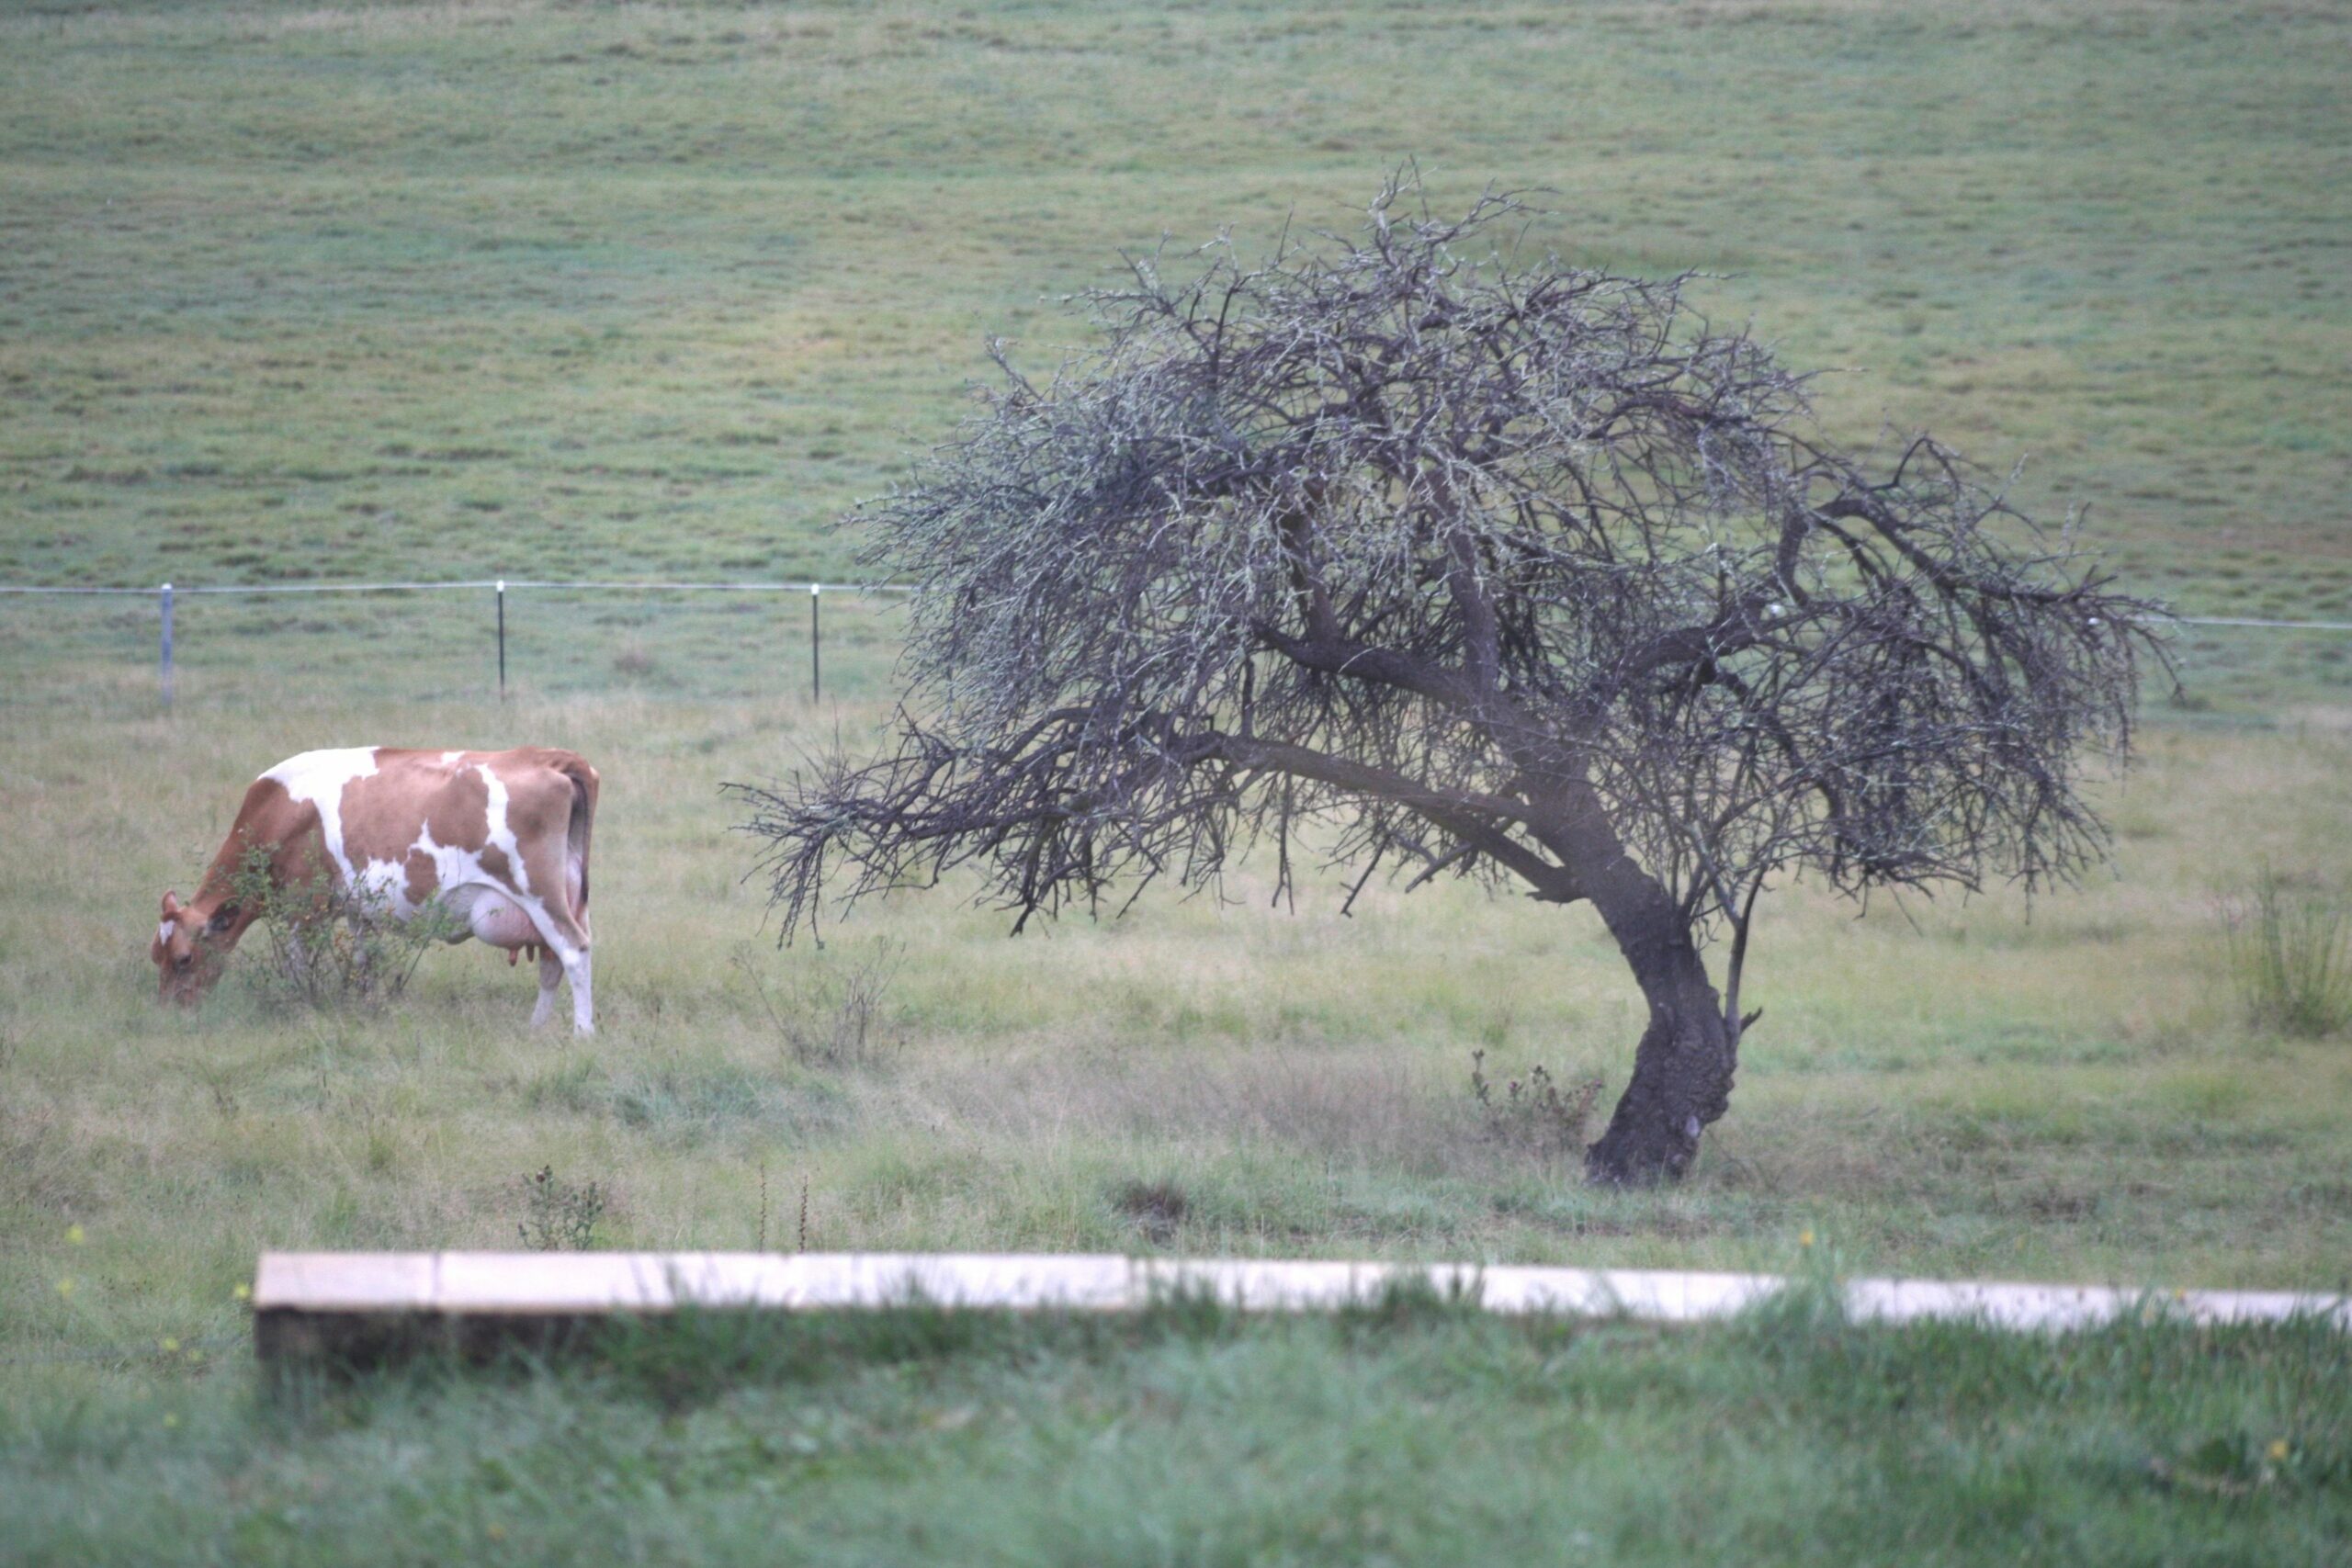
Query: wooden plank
[[349, 1281], [311, 1305]]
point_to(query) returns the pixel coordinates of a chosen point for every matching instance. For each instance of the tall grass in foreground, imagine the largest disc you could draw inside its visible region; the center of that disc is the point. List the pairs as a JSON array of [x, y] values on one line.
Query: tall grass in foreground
[[2290, 953], [1411, 1431]]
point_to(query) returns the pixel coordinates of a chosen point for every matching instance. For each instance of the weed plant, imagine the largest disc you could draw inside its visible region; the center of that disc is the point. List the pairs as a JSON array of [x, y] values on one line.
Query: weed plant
[[560, 1215], [1535, 1113], [331, 948], [2290, 953]]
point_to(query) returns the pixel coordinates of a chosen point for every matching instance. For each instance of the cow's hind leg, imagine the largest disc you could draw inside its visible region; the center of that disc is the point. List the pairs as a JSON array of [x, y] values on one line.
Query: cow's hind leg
[[569, 943], [583, 1009], [551, 976]]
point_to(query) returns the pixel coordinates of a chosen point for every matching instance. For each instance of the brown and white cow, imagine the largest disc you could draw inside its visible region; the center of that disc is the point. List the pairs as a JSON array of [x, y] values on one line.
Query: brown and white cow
[[499, 839]]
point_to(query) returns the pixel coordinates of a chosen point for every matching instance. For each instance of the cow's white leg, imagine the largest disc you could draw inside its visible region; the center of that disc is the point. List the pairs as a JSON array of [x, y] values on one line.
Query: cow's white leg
[[551, 976], [571, 950], [583, 1009]]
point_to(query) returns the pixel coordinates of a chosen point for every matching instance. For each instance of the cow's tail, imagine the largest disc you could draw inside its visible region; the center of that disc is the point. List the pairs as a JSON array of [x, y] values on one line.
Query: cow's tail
[[584, 822]]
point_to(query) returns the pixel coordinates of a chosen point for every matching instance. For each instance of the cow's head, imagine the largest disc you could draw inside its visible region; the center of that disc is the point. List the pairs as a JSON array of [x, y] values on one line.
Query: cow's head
[[188, 952]]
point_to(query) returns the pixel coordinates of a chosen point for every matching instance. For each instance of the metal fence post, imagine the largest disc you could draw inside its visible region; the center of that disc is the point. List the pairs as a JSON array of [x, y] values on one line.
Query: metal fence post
[[502, 639], [816, 646], [164, 594]]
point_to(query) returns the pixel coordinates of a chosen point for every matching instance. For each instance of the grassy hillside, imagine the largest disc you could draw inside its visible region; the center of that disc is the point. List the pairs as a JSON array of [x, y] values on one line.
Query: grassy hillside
[[338, 291]]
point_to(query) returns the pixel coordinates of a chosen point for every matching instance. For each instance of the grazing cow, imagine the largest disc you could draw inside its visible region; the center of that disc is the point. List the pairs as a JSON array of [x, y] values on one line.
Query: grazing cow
[[499, 839]]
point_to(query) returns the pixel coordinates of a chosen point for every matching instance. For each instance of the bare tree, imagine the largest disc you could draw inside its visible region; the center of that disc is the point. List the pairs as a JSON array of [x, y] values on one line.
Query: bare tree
[[1520, 571]]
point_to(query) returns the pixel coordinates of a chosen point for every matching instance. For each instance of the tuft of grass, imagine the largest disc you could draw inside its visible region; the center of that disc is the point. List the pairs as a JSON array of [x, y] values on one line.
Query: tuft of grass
[[2290, 953], [830, 1014]]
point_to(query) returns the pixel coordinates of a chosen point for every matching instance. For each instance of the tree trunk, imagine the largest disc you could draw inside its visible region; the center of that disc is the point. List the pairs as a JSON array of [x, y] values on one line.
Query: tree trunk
[[1682, 1069]]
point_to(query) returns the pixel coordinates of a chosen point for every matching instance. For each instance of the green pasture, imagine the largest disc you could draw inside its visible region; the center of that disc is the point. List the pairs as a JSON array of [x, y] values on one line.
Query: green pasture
[[473, 289], [320, 292], [1964, 1089]]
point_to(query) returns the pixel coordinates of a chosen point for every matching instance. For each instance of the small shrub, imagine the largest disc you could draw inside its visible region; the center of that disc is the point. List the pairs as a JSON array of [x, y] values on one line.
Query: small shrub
[[560, 1215], [1157, 1209], [830, 1014], [2290, 953], [1534, 1113], [334, 949]]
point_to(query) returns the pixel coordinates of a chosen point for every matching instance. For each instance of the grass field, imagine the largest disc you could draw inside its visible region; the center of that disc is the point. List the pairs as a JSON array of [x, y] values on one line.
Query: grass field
[[1399, 1437], [318, 292], [335, 292], [2073, 1097]]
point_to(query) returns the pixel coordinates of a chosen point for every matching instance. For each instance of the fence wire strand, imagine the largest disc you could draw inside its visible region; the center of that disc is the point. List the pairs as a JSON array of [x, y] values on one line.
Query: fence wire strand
[[587, 585], [491, 583], [433, 646]]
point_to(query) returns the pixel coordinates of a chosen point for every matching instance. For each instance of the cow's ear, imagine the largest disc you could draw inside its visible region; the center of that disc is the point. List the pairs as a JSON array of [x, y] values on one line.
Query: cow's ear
[[171, 905], [222, 919]]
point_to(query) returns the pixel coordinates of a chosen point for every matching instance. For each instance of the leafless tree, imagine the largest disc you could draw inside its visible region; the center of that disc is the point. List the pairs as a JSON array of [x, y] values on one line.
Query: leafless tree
[[1514, 570]]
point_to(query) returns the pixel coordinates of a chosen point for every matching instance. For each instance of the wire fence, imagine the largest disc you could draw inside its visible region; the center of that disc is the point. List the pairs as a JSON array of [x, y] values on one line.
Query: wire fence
[[479, 638], [468, 639]]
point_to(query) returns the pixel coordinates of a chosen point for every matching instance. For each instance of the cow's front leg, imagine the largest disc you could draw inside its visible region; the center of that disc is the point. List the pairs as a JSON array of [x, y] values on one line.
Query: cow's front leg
[[551, 976]]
